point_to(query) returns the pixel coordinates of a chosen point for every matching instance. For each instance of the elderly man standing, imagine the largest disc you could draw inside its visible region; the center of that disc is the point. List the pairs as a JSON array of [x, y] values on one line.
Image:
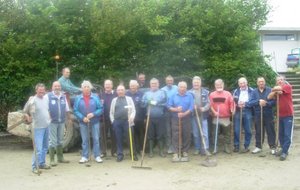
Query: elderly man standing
[[137, 96], [283, 91], [171, 90], [181, 105], [202, 102], [122, 114], [88, 109], [58, 107], [263, 114], [222, 106], [106, 98], [243, 112], [156, 101], [36, 111]]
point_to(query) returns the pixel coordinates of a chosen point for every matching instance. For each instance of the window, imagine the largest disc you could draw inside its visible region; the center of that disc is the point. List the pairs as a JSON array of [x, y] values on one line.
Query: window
[[279, 37]]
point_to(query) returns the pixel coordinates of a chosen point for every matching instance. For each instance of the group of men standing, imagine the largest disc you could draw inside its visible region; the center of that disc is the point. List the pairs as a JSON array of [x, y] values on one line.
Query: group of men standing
[[169, 114]]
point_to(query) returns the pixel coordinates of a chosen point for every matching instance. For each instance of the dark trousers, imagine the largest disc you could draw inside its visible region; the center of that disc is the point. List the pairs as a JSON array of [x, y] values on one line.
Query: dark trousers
[[186, 126], [268, 126], [121, 130], [157, 129], [106, 128], [139, 133]]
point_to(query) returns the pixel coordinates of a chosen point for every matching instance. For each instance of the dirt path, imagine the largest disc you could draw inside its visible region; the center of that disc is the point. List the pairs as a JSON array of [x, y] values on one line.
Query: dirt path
[[239, 171]]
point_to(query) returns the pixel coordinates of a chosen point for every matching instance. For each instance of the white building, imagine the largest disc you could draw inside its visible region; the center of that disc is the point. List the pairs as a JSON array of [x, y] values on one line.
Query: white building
[[277, 42]]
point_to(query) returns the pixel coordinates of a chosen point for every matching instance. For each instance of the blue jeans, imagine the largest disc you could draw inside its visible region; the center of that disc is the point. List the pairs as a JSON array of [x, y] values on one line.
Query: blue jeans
[[41, 140], [246, 123], [196, 134], [285, 133], [56, 134], [95, 130]]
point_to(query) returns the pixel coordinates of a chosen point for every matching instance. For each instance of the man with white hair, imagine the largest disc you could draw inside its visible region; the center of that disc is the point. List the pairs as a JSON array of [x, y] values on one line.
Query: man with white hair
[[243, 112], [138, 127], [202, 103], [181, 105], [222, 107], [87, 109]]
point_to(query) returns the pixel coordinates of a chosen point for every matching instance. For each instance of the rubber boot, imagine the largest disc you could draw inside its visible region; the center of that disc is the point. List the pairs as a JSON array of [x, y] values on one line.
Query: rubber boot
[[60, 157], [227, 148], [52, 154], [151, 144], [161, 148]]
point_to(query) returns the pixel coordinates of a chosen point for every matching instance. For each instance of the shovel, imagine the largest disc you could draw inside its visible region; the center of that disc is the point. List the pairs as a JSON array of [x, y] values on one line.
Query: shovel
[[208, 162], [277, 123], [241, 128], [144, 145]]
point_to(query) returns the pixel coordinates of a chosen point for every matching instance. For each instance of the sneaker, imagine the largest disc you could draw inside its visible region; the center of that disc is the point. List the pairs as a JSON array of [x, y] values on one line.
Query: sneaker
[[103, 155], [273, 151], [185, 157], [98, 159], [35, 171], [283, 157], [175, 158], [278, 152], [197, 152], [83, 160], [245, 150], [45, 167], [256, 150]]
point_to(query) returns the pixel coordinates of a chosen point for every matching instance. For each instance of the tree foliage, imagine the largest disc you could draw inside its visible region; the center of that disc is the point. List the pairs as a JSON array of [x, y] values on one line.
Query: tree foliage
[[115, 39]]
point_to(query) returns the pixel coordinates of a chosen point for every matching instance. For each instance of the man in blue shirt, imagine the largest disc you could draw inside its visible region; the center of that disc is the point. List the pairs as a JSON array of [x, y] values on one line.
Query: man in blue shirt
[[171, 90], [181, 105]]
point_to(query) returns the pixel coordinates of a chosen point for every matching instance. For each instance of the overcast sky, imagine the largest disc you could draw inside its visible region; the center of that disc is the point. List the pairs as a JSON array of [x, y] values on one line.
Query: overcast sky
[[285, 13]]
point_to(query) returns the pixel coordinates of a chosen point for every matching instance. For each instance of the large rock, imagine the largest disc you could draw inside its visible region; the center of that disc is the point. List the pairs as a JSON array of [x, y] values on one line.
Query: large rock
[[22, 129]]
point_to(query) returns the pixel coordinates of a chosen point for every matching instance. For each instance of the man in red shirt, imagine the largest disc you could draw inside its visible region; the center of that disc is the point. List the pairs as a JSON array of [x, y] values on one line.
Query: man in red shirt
[[222, 106], [286, 111]]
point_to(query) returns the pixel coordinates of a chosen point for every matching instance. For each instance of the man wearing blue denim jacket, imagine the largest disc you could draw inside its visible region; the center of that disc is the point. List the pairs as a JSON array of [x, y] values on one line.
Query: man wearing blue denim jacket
[[156, 101], [241, 97], [88, 109], [201, 100]]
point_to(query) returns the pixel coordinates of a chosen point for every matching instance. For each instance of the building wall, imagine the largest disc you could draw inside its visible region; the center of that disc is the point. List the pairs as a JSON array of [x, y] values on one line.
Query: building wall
[[277, 50]]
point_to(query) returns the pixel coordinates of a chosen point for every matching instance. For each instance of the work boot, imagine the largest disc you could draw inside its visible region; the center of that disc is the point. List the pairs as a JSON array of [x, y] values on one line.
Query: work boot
[[227, 148], [161, 148], [151, 144], [60, 157], [52, 155]]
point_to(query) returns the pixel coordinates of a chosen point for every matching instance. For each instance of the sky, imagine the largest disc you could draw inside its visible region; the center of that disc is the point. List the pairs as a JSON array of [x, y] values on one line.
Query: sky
[[285, 13]]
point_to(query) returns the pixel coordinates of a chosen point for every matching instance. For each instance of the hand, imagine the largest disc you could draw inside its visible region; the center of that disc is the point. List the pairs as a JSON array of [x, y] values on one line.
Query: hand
[[28, 118], [180, 115], [90, 115], [216, 114], [179, 109], [86, 120], [153, 102], [262, 102], [130, 120], [241, 104]]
